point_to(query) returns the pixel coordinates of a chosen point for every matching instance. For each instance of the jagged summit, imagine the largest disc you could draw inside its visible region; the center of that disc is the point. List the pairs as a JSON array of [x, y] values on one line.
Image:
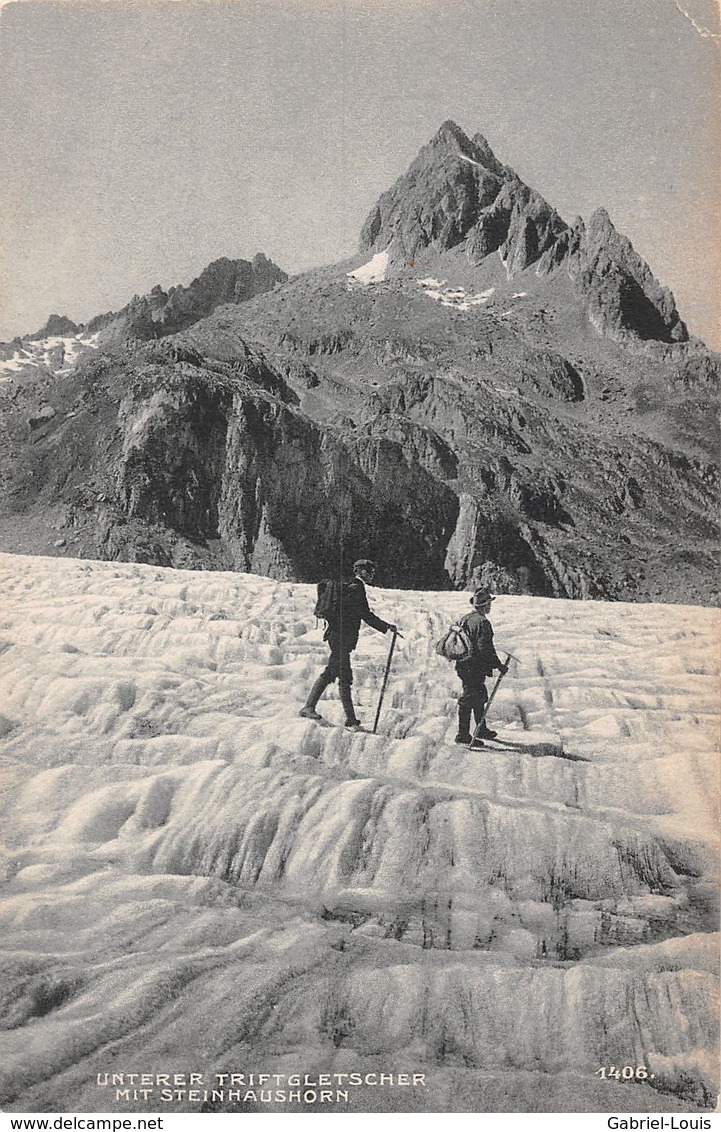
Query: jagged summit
[[623, 296], [457, 196], [160, 313], [461, 405], [57, 326], [439, 199], [449, 132], [451, 137], [487, 157], [456, 191]]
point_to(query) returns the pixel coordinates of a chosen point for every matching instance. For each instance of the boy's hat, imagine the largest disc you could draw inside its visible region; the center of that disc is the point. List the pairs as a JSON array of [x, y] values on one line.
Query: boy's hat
[[482, 595]]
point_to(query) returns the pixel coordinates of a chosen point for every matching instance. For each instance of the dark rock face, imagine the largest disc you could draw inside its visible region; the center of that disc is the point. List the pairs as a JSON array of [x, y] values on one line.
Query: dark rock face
[[456, 193], [624, 299], [306, 492], [159, 313], [438, 200], [173, 435], [200, 466], [553, 433], [57, 326]]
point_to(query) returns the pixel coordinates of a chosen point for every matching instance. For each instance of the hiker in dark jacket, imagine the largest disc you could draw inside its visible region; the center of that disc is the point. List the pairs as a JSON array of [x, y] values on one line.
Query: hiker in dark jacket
[[342, 637], [473, 672]]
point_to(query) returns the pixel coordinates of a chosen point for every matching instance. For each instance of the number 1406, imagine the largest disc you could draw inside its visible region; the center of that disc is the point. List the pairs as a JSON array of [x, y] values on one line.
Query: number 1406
[[626, 1073]]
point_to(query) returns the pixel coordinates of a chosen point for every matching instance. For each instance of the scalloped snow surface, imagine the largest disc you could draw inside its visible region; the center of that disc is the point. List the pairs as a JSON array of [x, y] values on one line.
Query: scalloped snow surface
[[196, 879]]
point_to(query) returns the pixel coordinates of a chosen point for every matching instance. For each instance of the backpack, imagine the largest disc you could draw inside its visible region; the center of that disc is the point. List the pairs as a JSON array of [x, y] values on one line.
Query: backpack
[[330, 597], [455, 644]]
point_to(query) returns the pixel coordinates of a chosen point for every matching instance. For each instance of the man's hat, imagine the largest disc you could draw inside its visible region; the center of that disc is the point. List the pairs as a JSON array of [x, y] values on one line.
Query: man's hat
[[482, 595], [363, 564]]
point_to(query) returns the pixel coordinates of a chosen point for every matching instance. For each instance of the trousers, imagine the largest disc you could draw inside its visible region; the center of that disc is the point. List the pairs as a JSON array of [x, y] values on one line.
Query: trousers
[[472, 699], [338, 668]]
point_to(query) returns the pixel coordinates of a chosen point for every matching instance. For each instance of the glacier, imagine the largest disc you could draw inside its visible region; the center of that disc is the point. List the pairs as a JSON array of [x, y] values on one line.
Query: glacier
[[196, 880]]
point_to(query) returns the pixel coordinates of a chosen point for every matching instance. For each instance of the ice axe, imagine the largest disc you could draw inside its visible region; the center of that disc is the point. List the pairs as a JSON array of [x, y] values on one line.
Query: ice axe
[[385, 677], [489, 701]]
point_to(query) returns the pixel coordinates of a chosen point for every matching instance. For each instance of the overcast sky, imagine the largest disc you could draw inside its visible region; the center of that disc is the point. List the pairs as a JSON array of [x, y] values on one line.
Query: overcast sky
[[140, 140]]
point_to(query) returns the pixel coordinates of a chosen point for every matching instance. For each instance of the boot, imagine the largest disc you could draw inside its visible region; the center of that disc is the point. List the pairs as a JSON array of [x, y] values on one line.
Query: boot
[[347, 701], [308, 710], [464, 724], [486, 733]]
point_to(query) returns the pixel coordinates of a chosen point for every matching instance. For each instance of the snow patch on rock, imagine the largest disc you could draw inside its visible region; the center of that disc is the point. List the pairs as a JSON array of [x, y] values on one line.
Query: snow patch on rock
[[372, 272], [456, 297], [57, 354]]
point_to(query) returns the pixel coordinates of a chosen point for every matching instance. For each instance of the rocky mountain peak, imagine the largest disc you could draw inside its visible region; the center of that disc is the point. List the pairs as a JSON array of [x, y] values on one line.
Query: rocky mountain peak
[[454, 430], [449, 132], [57, 326], [485, 155], [600, 224], [457, 195], [451, 140], [446, 156], [160, 313], [437, 201], [625, 300]]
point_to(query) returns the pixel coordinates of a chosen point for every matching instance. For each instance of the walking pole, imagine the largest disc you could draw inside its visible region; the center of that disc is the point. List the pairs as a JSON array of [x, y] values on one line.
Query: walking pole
[[385, 678], [489, 701]]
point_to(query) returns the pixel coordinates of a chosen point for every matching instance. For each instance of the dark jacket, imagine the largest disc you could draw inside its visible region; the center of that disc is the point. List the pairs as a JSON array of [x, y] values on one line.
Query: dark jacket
[[484, 658], [343, 633]]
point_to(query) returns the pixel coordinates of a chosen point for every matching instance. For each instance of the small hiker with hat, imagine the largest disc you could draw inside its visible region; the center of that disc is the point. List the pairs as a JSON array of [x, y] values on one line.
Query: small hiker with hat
[[481, 663], [343, 605]]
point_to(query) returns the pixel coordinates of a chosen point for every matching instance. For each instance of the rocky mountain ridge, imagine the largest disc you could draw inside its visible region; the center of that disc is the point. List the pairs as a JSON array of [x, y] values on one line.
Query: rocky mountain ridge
[[161, 313], [495, 395], [157, 314], [457, 195]]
